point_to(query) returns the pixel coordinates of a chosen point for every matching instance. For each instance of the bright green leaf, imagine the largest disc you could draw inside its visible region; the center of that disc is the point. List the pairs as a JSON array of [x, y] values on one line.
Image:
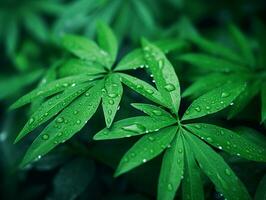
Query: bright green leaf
[[226, 182], [228, 141], [132, 127], [215, 100], [148, 147], [164, 74], [172, 169], [112, 94]]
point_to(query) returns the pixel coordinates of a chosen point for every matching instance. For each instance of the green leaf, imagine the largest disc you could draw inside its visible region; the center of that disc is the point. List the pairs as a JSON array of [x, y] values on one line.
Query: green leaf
[[148, 147], [217, 170], [50, 89], [12, 35], [143, 88], [263, 103], [207, 83], [214, 100], [85, 49], [107, 40], [260, 193], [131, 127], [154, 111], [52, 107], [66, 124], [133, 60], [172, 169], [216, 49], [243, 44], [77, 66], [192, 185], [228, 141], [65, 185], [168, 45], [244, 98], [111, 96], [164, 74], [211, 63]]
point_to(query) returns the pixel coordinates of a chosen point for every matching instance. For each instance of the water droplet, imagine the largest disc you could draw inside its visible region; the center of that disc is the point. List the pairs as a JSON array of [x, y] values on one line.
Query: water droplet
[[73, 85], [170, 187], [198, 126], [157, 112], [150, 91], [78, 121], [31, 120], [45, 136], [144, 160], [180, 150], [60, 120], [232, 103], [161, 63], [132, 154], [39, 157], [139, 86], [135, 128], [60, 134], [227, 171], [151, 138], [208, 107], [109, 112], [87, 94], [169, 87], [209, 139], [111, 101], [75, 112], [220, 147], [198, 109], [225, 94], [112, 95]]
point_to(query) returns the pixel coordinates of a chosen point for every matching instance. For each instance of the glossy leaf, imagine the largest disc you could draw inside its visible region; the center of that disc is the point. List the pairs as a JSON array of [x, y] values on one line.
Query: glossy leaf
[[154, 111], [133, 60], [210, 63], [131, 127], [172, 169], [213, 165], [228, 141], [107, 40], [164, 74], [215, 100], [192, 185], [143, 88], [66, 124], [111, 96], [52, 107], [51, 88], [148, 147], [85, 49]]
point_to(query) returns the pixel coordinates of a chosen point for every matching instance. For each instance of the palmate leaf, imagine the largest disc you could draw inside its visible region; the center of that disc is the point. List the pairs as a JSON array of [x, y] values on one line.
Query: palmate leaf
[[154, 111], [263, 103], [85, 49], [217, 170], [243, 44], [77, 66], [192, 185], [66, 124], [51, 107], [148, 147], [132, 127], [172, 169], [211, 63], [216, 49], [107, 40], [143, 88], [215, 100], [207, 83], [229, 141], [111, 97], [164, 74], [50, 89]]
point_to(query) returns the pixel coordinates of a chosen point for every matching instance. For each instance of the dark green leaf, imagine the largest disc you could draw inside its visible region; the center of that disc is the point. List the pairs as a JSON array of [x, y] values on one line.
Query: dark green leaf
[[263, 103], [261, 190]]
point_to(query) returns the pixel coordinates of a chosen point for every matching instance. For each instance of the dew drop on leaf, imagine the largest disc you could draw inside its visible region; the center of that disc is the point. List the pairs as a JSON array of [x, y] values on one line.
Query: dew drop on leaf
[[225, 94], [170, 187], [78, 121], [227, 171], [157, 112], [60, 120], [209, 139], [144, 160], [112, 95], [135, 128], [45, 137], [169, 87], [111, 102], [150, 91], [31, 120], [198, 109]]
